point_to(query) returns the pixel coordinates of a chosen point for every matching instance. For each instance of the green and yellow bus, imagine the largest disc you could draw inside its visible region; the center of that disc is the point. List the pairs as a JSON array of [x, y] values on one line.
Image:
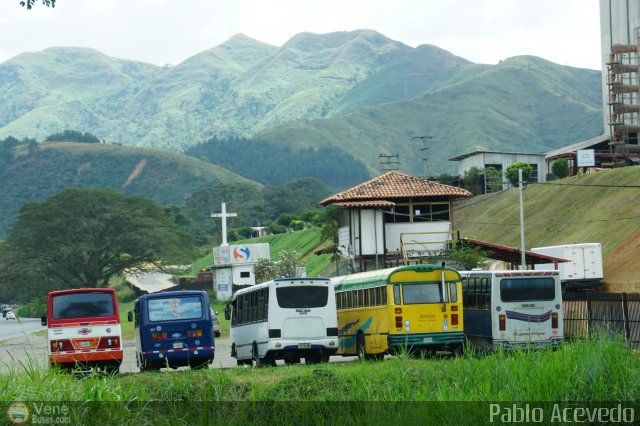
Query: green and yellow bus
[[408, 308]]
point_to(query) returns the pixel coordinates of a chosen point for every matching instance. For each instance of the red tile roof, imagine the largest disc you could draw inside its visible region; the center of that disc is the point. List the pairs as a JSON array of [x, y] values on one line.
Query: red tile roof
[[394, 185]]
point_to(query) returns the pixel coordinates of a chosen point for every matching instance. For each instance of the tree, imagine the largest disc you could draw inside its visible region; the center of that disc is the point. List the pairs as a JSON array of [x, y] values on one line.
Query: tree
[[560, 168], [493, 179], [512, 173], [468, 257], [472, 180], [287, 266], [30, 3], [83, 237]]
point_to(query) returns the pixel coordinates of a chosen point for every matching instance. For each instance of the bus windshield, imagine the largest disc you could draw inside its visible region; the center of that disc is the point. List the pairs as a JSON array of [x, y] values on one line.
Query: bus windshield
[[421, 293], [527, 290], [302, 297], [82, 305], [175, 308]]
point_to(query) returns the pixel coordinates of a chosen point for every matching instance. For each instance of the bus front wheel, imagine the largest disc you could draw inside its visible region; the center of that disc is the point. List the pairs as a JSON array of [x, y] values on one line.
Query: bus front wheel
[[361, 347]]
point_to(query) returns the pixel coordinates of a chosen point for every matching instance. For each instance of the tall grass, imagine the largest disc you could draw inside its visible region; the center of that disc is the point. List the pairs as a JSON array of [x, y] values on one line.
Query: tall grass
[[593, 370]]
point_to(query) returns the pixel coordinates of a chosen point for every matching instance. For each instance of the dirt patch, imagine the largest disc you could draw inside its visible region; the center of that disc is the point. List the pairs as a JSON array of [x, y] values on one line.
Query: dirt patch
[[622, 266]]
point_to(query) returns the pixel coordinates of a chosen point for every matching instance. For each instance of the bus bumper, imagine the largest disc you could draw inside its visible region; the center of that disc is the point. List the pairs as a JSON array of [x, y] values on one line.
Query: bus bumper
[[278, 348], [86, 357], [426, 340], [179, 357], [541, 344]]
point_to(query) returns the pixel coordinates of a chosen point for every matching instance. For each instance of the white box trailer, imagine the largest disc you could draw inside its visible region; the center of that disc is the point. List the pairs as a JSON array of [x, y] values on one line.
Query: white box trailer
[[584, 269]]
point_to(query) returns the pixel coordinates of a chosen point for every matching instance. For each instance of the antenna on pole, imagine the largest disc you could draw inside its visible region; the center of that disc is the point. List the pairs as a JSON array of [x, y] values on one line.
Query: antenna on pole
[[388, 162], [424, 150]]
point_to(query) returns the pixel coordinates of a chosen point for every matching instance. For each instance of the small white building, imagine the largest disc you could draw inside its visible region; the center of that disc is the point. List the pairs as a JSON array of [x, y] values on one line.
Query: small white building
[[394, 216], [500, 161], [234, 266]]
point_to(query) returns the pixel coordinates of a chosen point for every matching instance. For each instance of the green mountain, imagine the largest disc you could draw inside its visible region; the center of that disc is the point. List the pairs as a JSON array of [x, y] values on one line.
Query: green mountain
[[524, 104], [359, 91], [167, 178]]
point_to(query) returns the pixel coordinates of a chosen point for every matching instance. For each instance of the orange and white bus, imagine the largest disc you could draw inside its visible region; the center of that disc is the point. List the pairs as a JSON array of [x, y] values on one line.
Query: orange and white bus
[[84, 329]]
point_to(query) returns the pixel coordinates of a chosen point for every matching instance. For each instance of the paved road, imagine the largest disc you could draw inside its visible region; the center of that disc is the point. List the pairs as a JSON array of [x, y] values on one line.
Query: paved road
[[11, 329], [31, 349]]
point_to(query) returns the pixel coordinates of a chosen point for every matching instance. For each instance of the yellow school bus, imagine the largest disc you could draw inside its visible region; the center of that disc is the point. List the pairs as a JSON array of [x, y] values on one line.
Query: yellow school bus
[[408, 308]]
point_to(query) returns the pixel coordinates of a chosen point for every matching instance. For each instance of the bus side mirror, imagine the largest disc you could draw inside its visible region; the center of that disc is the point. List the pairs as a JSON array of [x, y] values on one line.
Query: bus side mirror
[[227, 312], [43, 321], [130, 316]]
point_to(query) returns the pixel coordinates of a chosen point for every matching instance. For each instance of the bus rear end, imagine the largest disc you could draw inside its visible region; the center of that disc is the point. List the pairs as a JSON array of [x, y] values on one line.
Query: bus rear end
[[425, 309], [302, 320], [84, 329], [528, 309], [174, 329]]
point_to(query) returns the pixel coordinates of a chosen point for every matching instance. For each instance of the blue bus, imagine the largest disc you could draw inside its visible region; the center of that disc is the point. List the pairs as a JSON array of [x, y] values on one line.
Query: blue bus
[[173, 329]]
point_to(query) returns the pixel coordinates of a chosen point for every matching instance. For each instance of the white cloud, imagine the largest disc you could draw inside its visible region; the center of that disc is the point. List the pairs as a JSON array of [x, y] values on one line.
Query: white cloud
[[168, 31]]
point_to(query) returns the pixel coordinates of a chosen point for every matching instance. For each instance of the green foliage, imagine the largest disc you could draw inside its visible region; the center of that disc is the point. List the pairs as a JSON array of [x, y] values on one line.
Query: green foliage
[[472, 181], [287, 265], [512, 173], [82, 238], [560, 168], [493, 178], [36, 308], [469, 257], [72, 136]]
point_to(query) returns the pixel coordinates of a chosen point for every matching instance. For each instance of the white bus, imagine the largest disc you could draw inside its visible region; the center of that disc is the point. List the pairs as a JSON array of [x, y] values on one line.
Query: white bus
[[287, 318], [512, 309]]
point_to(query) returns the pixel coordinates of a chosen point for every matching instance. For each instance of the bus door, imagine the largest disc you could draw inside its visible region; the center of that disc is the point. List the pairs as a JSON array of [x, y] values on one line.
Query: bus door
[[527, 309]]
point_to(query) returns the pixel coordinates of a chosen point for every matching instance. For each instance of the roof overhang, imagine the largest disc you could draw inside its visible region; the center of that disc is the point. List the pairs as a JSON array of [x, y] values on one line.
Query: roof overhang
[[511, 254]]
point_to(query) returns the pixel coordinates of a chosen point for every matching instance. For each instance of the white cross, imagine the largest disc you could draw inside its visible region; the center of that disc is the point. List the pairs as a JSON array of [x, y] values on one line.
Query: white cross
[[224, 215]]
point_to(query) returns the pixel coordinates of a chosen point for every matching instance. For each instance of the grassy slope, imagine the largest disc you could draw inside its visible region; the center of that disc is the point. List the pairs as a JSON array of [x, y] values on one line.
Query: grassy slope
[[556, 214], [304, 242]]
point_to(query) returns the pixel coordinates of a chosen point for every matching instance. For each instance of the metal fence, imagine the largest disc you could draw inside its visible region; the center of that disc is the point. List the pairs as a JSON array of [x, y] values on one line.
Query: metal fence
[[612, 313]]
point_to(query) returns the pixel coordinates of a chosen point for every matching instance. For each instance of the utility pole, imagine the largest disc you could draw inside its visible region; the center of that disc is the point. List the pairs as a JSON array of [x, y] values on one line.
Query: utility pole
[[523, 257], [423, 150]]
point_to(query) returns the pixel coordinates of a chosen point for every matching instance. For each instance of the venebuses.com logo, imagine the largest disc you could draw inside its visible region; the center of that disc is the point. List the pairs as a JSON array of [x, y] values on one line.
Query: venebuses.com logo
[[45, 413], [18, 413]]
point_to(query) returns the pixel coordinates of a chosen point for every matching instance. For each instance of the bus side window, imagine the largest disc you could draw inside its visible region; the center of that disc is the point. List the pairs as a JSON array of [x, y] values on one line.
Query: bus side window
[[260, 314], [254, 306], [453, 292], [485, 293], [396, 294], [234, 312], [350, 299], [245, 309]]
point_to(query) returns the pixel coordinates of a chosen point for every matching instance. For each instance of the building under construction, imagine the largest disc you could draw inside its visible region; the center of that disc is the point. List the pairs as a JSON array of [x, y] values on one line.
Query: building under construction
[[620, 32]]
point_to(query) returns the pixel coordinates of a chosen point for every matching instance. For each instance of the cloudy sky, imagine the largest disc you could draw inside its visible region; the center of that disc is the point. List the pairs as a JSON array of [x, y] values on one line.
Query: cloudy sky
[[169, 31]]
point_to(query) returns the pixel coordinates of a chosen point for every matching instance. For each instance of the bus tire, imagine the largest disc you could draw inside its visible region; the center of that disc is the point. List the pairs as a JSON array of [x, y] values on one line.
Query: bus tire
[[361, 348], [290, 359], [255, 356]]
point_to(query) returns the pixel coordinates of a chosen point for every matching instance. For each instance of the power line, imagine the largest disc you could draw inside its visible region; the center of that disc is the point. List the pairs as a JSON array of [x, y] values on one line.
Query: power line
[[551, 223], [589, 184]]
